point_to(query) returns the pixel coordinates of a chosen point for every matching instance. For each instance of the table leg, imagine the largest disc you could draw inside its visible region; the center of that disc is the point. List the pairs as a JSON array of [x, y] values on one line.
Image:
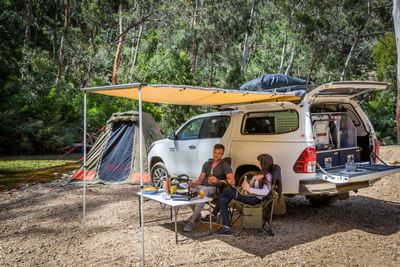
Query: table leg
[[176, 227], [209, 210], [171, 213], [140, 212]]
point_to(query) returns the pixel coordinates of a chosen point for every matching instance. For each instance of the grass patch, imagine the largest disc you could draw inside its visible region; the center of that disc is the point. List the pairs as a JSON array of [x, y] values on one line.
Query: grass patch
[[18, 171], [29, 165], [18, 164]]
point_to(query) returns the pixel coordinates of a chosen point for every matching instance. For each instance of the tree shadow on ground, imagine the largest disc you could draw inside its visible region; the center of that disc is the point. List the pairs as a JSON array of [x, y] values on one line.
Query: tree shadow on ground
[[44, 204], [33, 230], [32, 213], [311, 223]]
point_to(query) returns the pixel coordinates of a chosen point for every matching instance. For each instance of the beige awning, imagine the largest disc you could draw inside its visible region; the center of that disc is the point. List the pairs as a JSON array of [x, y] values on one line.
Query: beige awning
[[189, 95]]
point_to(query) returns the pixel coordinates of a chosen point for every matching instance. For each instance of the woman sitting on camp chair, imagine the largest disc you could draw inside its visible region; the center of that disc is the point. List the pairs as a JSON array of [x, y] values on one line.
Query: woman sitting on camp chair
[[254, 192]]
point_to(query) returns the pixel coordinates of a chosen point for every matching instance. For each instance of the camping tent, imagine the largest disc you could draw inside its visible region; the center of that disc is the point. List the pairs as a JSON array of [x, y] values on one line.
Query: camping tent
[[114, 158]]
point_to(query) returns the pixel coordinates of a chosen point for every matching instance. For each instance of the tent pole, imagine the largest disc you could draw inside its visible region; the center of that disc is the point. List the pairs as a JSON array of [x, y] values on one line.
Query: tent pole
[[141, 169], [84, 160]]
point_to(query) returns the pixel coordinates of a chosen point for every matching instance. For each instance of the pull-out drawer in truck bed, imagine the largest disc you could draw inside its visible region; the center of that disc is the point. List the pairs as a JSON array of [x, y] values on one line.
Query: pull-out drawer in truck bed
[[338, 157]]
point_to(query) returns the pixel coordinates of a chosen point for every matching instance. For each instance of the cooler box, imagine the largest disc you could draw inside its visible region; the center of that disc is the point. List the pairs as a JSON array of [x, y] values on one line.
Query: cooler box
[[252, 217], [328, 159], [349, 155]]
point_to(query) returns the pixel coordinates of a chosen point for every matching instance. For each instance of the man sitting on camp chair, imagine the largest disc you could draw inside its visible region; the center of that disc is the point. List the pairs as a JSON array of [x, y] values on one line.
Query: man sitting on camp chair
[[258, 188], [214, 172]]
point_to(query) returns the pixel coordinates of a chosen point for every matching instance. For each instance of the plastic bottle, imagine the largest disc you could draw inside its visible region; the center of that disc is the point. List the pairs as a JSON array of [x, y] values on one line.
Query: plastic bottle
[[169, 186], [166, 185]]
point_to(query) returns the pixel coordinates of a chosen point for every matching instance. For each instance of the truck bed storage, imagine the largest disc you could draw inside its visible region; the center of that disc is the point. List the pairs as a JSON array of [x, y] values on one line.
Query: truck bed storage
[[335, 139], [348, 155], [328, 158]]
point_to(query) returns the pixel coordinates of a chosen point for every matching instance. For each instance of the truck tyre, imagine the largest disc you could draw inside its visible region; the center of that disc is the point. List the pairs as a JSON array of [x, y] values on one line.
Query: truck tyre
[[158, 172], [322, 200]]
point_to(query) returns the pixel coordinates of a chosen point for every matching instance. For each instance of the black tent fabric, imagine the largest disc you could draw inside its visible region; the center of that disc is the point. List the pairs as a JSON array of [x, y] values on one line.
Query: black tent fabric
[[273, 81], [116, 162]]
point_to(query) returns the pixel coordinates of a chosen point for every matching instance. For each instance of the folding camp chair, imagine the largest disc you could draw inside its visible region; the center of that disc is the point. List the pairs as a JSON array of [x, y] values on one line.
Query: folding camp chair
[[257, 216]]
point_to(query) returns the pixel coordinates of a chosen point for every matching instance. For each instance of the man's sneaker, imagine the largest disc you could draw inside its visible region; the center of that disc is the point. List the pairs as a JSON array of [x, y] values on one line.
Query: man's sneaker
[[207, 219], [224, 231], [188, 227], [190, 217]]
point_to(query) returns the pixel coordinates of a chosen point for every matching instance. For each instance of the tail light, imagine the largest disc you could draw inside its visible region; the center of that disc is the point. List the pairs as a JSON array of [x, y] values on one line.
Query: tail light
[[307, 161], [377, 148]]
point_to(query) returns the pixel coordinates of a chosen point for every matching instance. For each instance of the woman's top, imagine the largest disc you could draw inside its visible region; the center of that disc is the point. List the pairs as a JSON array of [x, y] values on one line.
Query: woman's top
[[261, 192]]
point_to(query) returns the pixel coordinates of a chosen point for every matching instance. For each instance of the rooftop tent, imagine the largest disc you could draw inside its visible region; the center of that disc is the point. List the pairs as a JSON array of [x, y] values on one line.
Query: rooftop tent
[[275, 83], [114, 158]]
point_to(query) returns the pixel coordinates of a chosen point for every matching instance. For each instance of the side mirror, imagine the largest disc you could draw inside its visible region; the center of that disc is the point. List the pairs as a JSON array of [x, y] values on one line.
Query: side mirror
[[172, 136]]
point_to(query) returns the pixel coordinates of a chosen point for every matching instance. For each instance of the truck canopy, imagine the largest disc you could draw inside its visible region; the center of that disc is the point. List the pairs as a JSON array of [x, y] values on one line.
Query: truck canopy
[[347, 89]]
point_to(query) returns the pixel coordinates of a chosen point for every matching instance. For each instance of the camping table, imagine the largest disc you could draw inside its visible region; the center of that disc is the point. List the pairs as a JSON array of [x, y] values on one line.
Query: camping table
[[175, 204]]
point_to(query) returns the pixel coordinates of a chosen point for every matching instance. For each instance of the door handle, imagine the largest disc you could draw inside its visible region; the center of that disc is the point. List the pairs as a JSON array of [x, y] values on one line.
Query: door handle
[[192, 147]]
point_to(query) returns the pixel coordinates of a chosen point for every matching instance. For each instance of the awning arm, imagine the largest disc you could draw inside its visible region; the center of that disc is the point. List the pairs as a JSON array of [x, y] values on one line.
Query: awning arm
[[113, 87]]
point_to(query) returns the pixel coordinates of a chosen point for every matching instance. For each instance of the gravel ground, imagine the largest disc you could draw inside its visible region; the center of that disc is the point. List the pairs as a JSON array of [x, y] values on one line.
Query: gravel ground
[[42, 225]]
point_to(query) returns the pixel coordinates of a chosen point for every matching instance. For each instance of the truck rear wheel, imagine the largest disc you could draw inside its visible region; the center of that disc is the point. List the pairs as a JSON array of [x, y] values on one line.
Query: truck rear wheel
[[323, 200]]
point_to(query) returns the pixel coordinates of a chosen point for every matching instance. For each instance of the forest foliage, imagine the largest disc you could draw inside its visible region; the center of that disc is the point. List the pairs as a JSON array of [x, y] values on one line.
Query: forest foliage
[[50, 49]]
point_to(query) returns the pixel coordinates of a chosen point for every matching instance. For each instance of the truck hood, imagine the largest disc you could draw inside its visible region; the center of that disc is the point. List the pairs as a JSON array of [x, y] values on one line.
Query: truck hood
[[158, 142]]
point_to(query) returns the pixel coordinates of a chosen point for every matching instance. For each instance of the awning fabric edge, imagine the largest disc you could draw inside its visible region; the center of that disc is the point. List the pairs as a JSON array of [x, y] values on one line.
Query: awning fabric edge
[[189, 95]]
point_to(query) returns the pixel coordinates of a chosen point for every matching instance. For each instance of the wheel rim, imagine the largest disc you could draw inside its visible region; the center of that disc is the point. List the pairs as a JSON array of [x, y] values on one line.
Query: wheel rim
[[158, 175]]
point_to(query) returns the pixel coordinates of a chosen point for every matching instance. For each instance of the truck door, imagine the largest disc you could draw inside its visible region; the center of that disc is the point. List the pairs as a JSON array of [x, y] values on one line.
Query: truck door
[[183, 150], [212, 133]]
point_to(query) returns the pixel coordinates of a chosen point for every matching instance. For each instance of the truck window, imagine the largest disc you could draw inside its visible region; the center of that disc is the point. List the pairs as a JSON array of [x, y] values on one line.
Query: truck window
[[216, 127], [191, 130], [272, 122]]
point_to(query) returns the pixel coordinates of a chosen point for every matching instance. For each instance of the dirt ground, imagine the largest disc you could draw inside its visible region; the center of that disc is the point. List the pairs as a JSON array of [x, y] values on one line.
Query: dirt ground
[[42, 225]]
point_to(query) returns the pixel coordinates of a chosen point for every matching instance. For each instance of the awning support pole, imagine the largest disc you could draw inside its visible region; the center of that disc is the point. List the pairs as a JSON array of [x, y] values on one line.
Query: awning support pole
[[141, 169], [84, 160]]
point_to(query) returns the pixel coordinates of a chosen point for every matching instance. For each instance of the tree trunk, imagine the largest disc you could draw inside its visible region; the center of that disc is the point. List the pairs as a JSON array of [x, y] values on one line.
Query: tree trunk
[[194, 52], [357, 36], [88, 76], [28, 21], [396, 19], [137, 47], [211, 77], [283, 55], [350, 55], [195, 42], [246, 39], [312, 66], [289, 67], [61, 53], [119, 48], [55, 31]]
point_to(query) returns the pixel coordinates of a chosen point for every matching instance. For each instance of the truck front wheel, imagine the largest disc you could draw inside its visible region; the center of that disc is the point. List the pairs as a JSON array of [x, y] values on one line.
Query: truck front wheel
[[158, 172]]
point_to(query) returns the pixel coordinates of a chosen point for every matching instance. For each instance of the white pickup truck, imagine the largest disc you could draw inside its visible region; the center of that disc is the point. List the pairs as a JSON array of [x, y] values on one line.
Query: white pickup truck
[[325, 144]]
